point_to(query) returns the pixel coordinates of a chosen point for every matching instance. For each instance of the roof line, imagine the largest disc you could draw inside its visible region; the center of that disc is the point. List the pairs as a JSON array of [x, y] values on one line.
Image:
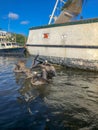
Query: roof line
[[84, 21]]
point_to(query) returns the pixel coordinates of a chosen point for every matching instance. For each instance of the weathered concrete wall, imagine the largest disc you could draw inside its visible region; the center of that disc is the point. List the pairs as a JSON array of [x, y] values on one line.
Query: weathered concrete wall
[[91, 65], [79, 43]]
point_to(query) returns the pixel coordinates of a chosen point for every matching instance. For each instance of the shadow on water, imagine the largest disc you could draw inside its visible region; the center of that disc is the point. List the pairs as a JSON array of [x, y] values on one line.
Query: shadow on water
[[69, 102]]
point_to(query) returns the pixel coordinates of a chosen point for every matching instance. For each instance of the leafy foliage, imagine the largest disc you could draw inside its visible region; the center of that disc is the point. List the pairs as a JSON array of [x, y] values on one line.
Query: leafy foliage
[[21, 39]]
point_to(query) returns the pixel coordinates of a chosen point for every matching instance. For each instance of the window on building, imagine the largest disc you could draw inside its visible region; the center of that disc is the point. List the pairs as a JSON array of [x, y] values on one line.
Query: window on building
[[8, 44], [2, 45]]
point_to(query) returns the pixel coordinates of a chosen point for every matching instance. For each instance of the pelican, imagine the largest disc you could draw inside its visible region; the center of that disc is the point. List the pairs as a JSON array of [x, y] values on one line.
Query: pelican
[[50, 70], [38, 79], [19, 67]]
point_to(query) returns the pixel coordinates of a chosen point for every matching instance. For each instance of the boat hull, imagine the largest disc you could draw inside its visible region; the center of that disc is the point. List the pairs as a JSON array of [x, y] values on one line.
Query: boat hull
[[13, 51]]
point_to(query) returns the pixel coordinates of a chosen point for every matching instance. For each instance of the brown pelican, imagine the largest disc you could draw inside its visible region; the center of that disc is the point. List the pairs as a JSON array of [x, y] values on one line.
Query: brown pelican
[[48, 69], [35, 62], [28, 73], [19, 67], [38, 79]]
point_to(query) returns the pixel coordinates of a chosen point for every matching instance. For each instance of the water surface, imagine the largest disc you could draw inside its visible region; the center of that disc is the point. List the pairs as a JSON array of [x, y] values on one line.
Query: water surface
[[69, 102]]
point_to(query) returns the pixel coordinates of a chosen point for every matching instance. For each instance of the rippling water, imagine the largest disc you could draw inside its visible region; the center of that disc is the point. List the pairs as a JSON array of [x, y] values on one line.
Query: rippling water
[[69, 102]]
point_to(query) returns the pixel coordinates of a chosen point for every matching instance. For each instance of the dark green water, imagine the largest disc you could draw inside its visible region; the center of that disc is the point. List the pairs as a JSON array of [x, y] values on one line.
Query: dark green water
[[69, 102]]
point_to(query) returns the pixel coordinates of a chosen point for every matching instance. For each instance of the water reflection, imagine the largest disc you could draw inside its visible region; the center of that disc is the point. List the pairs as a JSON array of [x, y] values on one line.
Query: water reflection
[[72, 96], [69, 102], [29, 94]]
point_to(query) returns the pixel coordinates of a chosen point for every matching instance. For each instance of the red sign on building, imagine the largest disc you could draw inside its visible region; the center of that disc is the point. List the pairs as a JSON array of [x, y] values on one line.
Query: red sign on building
[[46, 35]]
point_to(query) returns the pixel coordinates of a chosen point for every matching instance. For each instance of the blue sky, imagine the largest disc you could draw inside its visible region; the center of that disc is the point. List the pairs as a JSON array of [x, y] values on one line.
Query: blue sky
[[28, 13]]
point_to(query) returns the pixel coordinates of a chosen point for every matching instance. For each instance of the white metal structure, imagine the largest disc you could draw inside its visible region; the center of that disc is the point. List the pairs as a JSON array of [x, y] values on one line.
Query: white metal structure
[[52, 17], [68, 11]]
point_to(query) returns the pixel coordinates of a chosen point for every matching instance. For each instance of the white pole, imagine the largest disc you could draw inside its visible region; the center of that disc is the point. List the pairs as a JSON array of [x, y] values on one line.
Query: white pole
[[8, 24], [63, 1], [51, 17]]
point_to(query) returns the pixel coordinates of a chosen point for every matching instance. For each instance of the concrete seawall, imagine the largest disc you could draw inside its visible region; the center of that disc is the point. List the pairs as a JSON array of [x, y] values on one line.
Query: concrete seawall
[[71, 44]]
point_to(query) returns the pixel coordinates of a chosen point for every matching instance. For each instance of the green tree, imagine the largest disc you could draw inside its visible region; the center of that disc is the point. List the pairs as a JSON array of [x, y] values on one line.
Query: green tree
[[21, 39]]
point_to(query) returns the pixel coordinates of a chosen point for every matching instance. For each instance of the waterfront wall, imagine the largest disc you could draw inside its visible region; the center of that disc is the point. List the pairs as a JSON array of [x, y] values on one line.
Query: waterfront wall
[[74, 44]]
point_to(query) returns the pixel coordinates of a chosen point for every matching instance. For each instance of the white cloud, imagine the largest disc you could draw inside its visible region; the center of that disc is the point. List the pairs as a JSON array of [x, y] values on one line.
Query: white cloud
[[24, 22], [13, 16]]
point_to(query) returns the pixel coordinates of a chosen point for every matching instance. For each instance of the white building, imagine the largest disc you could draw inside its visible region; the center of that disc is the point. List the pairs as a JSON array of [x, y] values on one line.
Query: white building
[[4, 35]]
